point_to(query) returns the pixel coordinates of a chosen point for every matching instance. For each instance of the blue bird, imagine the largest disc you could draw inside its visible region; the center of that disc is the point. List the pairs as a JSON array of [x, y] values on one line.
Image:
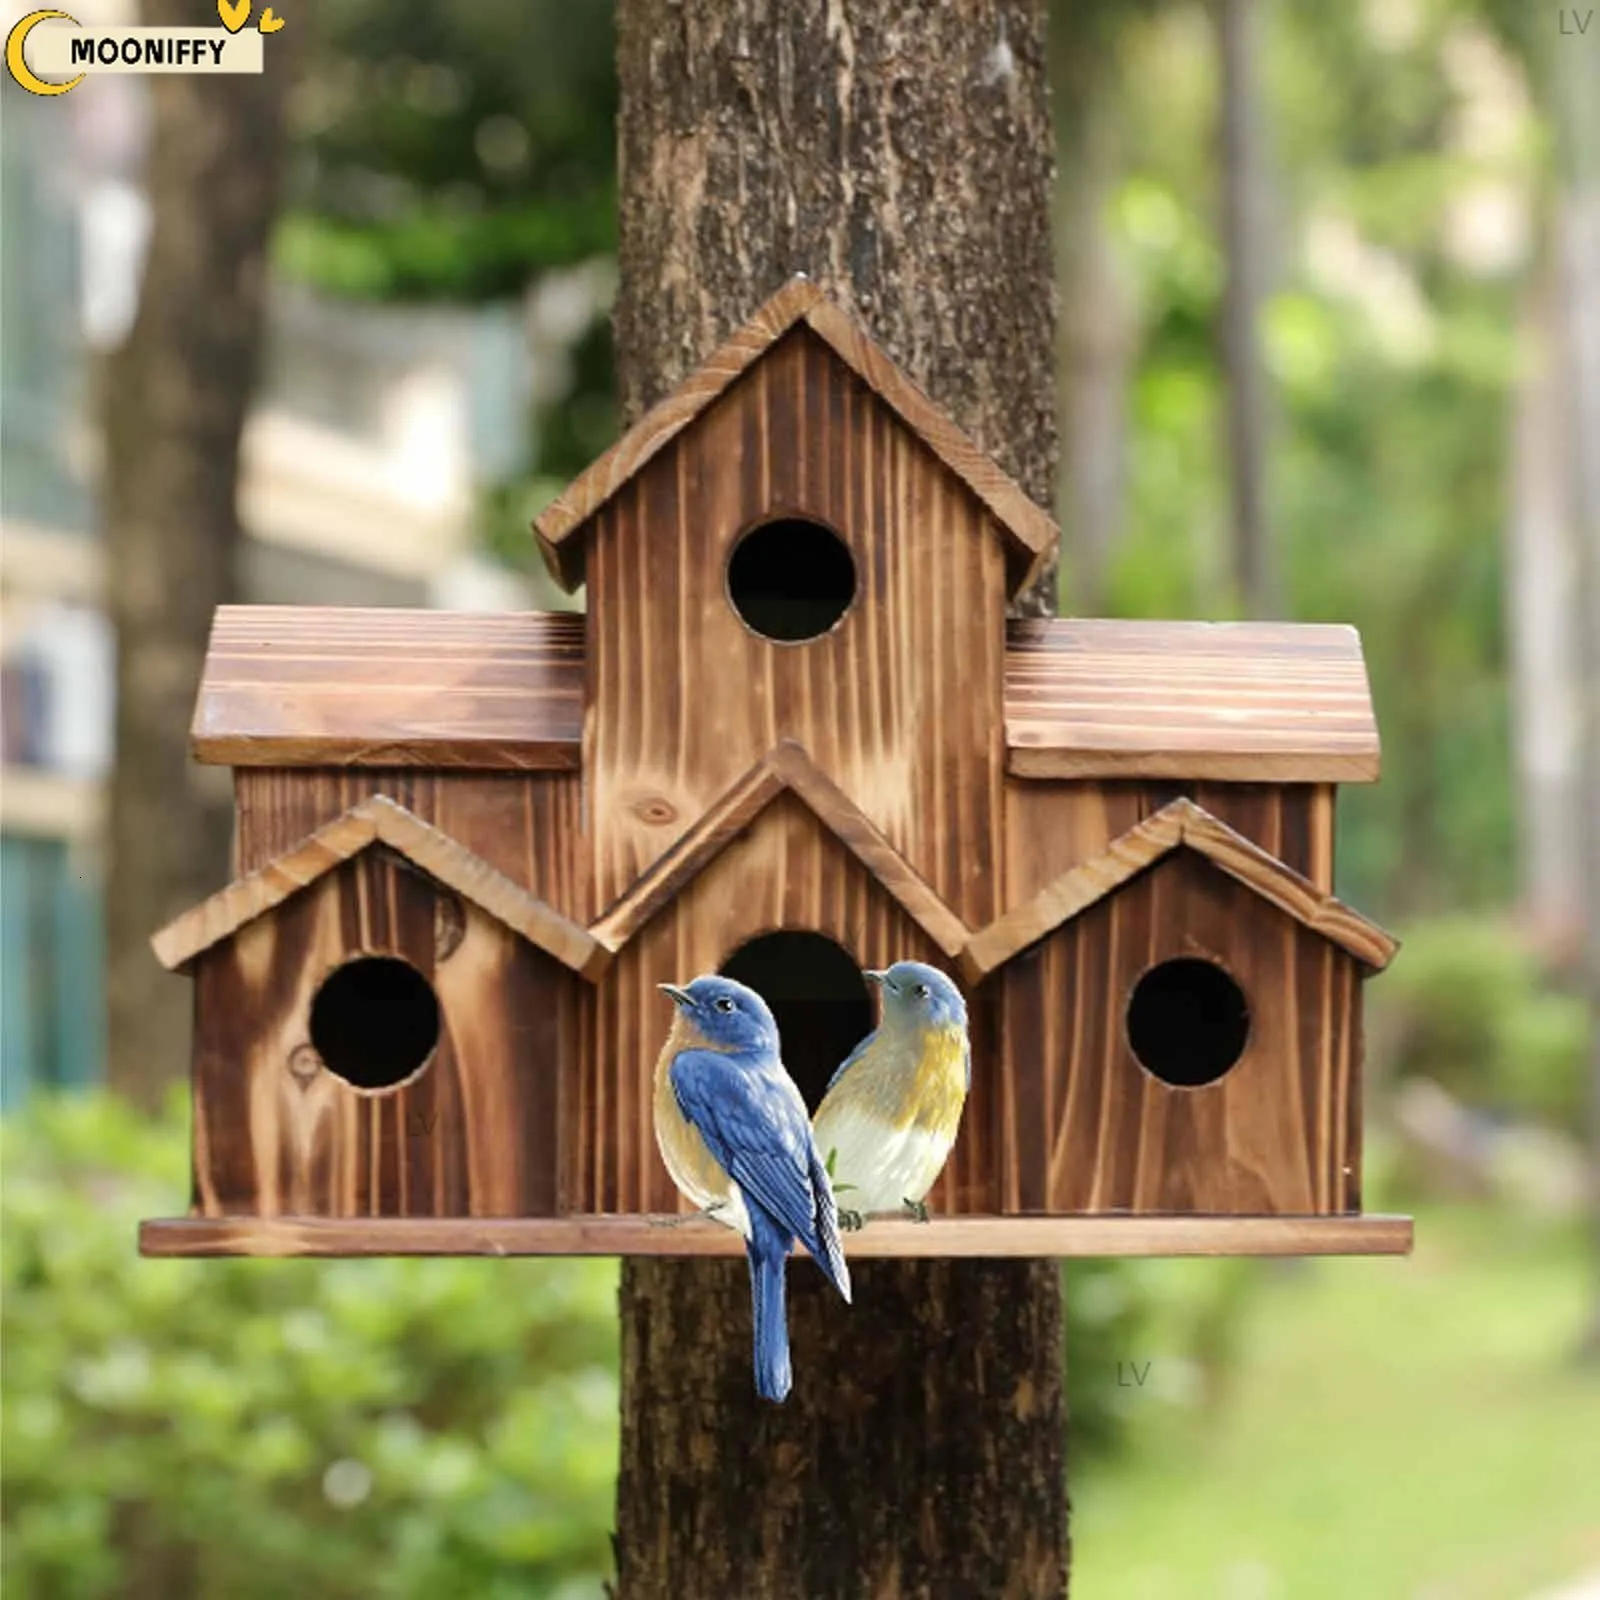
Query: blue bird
[[891, 1112], [735, 1137]]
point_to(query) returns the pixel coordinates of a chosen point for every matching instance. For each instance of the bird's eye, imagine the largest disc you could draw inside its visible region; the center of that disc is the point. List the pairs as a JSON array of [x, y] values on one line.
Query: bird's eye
[[723, 1003], [921, 991]]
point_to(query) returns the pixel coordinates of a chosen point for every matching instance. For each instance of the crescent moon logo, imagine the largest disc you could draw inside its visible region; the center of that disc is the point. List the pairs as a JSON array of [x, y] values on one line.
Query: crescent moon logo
[[19, 69]]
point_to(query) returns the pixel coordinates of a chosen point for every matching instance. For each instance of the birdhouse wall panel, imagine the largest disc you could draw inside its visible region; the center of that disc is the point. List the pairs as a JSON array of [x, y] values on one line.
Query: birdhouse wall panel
[[525, 825], [900, 703], [785, 871], [1053, 826], [473, 1133], [1085, 1128]]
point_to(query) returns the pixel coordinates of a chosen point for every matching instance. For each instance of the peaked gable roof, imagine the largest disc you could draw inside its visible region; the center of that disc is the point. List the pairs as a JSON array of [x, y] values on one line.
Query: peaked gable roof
[[1182, 824], [1029, 533], [378, 821], [786, 769]]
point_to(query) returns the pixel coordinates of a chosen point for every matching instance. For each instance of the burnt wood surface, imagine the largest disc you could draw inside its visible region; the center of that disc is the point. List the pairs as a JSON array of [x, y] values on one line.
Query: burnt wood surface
[[1027, 531], [989, 1237], [379, 819], [1255, 702], [1179, 824], [900, 703], [371, 687], [785, 869], [1085, 1128], [473, 1133], [1242, 702], [524, 825]]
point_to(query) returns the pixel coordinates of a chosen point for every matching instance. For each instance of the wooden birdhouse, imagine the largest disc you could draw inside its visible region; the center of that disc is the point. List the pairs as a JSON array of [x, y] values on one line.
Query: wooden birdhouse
[[794, 736]]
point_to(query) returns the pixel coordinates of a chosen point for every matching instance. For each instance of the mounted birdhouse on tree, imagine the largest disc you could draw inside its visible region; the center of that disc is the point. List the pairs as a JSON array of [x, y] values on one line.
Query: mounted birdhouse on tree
[[793, 740]]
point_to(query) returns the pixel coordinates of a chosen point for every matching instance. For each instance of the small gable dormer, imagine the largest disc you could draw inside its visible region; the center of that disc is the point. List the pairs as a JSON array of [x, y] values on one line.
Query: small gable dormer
[[369, 1005], [796, 544]]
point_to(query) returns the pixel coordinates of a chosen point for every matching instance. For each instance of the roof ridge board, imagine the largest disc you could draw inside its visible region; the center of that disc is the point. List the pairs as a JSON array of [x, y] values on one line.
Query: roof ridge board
[[1022, 522], [1179, 824], [787, 767], [377, 819]]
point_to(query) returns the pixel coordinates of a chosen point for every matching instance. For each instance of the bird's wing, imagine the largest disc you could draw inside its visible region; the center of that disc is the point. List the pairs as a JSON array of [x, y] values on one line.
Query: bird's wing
[[756, 1130], [828, 1248], [851, 1059]]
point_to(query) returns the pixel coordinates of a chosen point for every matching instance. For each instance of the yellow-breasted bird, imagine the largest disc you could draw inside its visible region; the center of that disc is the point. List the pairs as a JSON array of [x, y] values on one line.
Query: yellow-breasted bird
[[891, 1112]]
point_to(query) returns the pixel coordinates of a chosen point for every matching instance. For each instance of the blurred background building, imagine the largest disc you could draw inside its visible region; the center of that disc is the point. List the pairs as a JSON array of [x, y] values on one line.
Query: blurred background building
[[373, 433]]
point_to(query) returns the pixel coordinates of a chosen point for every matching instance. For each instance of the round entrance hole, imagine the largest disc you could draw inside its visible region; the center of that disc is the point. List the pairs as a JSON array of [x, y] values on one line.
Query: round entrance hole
[[374, 1021], [1188, 1022], [791, 579], [818, 997]]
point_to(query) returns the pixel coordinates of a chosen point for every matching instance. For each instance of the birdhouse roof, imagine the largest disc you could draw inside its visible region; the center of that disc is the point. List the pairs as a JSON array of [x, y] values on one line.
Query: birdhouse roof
[[340, 686], [378, 820], [1028, 532], [786, 769], [298, 686], [1258, 702], [1181, 825]]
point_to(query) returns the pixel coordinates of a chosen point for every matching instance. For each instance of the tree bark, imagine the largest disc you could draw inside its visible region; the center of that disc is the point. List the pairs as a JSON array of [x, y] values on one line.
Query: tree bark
[[1244, 185], [899, 154], [174, 405]]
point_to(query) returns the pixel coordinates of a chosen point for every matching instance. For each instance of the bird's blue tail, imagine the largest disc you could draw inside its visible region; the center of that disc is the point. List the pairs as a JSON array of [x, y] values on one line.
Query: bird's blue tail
[[771, 1325]]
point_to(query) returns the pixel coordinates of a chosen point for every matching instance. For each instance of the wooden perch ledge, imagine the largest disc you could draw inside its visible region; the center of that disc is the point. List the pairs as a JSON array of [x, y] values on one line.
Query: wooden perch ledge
[[986, 1237]]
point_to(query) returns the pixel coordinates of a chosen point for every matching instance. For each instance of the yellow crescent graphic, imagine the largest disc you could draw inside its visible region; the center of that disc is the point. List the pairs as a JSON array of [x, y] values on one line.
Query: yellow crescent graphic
[[19, 68]]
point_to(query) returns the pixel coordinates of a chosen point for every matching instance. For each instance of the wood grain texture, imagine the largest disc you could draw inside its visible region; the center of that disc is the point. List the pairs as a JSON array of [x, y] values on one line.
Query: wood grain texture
[[1086, 1129], [900, 703], [785, 769], [378, 820], [1027, 531], [1268, 703], [525, 825], [1178, 824], [785, 869], [473, 1132], [1297, 896], [978, 1236], [1052, 826], [1262, 702], [335, 686]]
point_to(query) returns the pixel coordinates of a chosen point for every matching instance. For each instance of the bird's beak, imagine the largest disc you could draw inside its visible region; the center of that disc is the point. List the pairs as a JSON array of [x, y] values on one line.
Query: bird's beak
[[879, 978], [680, 997]]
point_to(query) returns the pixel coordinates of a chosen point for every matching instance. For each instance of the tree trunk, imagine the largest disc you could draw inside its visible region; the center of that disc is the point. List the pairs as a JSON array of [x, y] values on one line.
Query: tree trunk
[[174, 405], [1244, 185], [1096, 340], [1578, 143], [900, 154], [1541, 556]]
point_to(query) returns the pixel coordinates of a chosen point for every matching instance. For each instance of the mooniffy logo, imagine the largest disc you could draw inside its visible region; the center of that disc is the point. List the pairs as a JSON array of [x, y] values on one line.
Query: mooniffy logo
[[49, 52]]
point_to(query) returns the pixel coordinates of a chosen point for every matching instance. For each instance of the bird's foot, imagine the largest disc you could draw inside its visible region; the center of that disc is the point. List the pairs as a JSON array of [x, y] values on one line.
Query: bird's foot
[[851, 1221], [689, 1216], [917, 1210]]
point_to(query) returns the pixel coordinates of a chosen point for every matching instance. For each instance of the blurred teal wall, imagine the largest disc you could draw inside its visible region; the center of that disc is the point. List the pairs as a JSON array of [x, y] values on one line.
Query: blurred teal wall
[[51, 963]]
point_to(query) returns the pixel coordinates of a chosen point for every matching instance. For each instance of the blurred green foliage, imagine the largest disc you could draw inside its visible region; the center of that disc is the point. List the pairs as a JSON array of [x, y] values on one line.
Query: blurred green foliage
[[369, 1428], [1402, 140], [1121, 1316], [1471, 1007], [255, 1429], [451, 152]]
